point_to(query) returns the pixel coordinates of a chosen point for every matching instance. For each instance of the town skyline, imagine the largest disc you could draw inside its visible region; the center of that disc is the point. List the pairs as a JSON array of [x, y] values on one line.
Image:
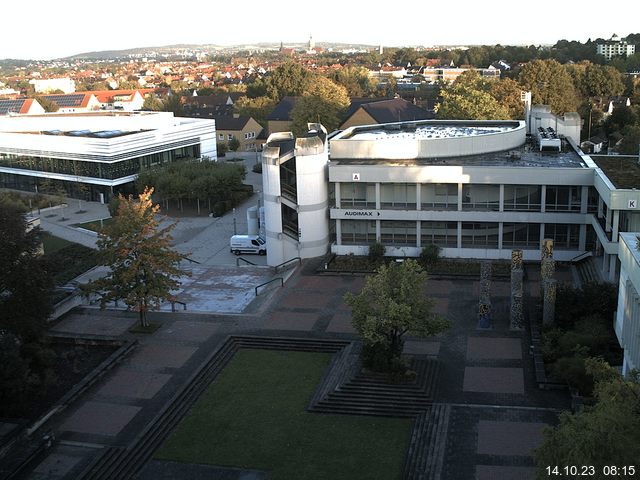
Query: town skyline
[[488, 23]]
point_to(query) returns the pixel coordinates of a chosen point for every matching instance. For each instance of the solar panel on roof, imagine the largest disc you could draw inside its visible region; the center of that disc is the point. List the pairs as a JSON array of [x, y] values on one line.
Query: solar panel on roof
[[13, 106], [66, 101]]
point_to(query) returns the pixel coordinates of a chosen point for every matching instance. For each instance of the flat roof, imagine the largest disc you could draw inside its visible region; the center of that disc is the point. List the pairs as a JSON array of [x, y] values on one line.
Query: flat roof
[[623, 171], [527, 155], [422, 131]]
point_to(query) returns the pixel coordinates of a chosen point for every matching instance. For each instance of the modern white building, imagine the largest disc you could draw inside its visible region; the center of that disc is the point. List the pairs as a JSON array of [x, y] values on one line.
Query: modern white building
[[477, 189], [627, 322], [98, 153], [614, 47]]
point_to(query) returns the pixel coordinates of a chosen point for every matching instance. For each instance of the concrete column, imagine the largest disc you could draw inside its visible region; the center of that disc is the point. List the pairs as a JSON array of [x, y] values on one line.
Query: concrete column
[[378, 232], [607, 224], [613, 263], [338, 232], [600, 206], [418, 239], [543, 198], [459, 234], [500, 231], [605, 264], [615, 225], [337, 194], [584, 200], [501, 202], [378, 200], [459, 197], [582, 241], [541, 234], [418, 197]]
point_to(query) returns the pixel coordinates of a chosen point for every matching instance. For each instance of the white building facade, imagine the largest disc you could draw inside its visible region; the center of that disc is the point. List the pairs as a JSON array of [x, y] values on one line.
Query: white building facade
[[102, 152], [627, 321], [614, 47]]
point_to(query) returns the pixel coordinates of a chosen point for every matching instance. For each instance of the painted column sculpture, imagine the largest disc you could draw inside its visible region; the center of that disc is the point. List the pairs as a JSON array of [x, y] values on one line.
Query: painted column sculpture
[[548, 285], [484, 307], [549, 304], [517, 275]]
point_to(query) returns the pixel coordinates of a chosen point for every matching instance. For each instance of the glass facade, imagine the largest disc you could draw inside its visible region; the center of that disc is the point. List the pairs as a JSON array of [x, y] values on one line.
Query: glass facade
[[358, 195], [480, 197], [358, 232], [105, 170], [398, 233], [443, 234], [563, 199], [399, 196], [521, 235], [565, 237], [479, 235], [439, 196], [522, 198]]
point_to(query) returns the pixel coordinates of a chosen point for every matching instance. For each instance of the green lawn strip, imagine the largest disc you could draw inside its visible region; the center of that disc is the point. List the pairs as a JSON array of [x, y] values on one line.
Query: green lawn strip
[[67, 260], [52, 244], [95, 225], [253, 416]]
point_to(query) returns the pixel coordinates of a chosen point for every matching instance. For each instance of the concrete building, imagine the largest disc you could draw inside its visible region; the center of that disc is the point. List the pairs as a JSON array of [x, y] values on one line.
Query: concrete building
[[47, 85], [295, 191], [97, 153], [627, 321], [615, 47]]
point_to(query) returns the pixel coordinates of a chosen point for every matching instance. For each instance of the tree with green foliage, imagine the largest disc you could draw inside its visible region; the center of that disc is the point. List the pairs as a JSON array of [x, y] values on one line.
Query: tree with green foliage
[[257, 108], [391, 304], [48, 105], [469, 98], [356, 80], [550, 84], [323, 101], [288, 79], [630, 140], [605, 434], [233, 144], [152, 103], [144, 268], [507, 93]]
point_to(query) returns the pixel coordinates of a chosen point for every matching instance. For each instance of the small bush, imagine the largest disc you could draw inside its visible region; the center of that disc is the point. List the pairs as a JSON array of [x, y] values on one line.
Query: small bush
[[572, 370], [257, 168], [430, 255], [114, 204], [376, 252]]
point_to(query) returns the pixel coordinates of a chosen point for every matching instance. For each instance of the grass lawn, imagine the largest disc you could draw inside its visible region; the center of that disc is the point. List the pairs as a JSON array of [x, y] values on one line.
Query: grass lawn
[[66, 259], [95, 225], [253, 416]]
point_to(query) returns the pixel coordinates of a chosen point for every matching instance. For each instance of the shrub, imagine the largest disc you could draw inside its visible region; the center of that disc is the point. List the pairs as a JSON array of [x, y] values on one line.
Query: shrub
[[114, 204], [221, 149], [593, 298], [573, 371], [234, 144], [257, 168], [376, 252], [430, 255]]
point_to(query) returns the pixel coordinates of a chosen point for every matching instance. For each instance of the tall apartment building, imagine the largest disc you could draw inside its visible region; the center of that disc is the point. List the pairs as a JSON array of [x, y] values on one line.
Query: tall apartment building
[[614, 47]]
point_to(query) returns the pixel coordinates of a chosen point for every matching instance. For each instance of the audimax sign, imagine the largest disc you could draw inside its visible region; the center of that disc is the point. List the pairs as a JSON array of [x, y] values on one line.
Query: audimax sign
[[361, 213]]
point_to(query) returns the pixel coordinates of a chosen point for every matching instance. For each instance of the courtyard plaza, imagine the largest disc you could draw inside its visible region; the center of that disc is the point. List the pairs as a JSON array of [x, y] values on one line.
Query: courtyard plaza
[[495, 412]]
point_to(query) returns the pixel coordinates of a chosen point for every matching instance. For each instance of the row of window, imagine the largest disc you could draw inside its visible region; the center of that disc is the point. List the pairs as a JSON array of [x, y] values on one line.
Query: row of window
[[473, 234], [110, 170], [444, 196], [230, 136]]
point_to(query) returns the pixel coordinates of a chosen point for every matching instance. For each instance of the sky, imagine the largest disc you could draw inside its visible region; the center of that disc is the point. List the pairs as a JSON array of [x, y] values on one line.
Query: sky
[[67, 27]]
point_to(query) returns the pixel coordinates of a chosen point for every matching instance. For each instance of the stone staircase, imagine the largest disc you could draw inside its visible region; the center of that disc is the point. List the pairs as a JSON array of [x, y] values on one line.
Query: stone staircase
[[425, 456], [588, 270], [368, 393]]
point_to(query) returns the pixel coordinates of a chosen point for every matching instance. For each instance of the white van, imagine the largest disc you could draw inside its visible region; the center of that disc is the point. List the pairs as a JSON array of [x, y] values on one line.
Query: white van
[[248, 244]]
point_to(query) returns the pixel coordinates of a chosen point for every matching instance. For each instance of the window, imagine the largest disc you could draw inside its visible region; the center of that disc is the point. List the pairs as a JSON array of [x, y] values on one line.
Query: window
[[443, 234], [221, 136], [565, 237], [357, 195], [522, 198], [398, 233], [399, 196], [520, 235], [480, 197], [358, 232], [479, 235], [230, 136], [439, 196], [563, 199]]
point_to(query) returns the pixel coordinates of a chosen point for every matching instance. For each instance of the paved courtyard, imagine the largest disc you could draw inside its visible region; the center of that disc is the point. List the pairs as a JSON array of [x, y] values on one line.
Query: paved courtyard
[[497, 412]]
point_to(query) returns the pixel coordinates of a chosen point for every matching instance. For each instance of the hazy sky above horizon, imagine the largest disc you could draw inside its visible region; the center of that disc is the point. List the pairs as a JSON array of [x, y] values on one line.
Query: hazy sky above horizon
[[73, 27]]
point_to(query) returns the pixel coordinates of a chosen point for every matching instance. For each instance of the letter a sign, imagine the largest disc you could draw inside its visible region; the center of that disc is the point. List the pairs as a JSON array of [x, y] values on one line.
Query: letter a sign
[[356, 177]]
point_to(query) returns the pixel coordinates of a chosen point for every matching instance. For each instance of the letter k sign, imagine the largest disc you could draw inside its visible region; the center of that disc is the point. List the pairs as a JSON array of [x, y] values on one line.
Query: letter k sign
[[633, 204]]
